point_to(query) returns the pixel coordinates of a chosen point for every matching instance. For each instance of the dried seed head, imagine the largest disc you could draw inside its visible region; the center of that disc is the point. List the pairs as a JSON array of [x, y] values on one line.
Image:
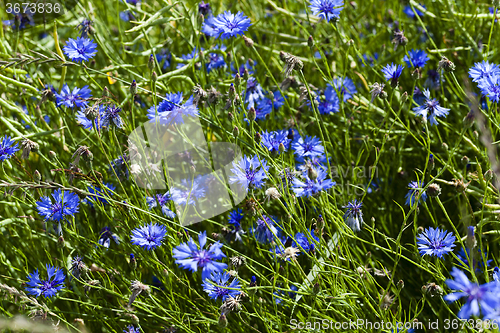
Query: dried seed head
[[137, 288], [214, 96], [92, 112], [432, 289], [291, 62], [460, 186], [272, 193], [238, 261], [28, 146], [378, 91], [399, 39], [446, 65], [199, 94], [82, 151], [433, 190], [290, 253]]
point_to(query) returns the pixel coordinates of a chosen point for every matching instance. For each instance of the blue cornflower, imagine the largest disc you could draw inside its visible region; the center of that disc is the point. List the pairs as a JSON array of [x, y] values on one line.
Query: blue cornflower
[[164, 57], [83, 121], [480, 298], [272, 140], [345, 88], [265, 230], [310, 187], [149, 236], [249, 172], [235, 218], [188, 191], [231, 25], [435, 242], [408, 11], [131, 329], [172, 109], [490, 87], [8, 148], [71, 99], [49, 287], [204, 8], [327, 9], [85, 28], [111, 115], [309, 147], [496, 274], [190, 256], [329, 102], [482, 70], [65, 203], [77, 266], [106, 236], [353, 216], [100, 194], [418, 58], [392, 72], [305, 242], [127, 15], [80, 49], [414, 192], [21, 19], [265, 105], [253, 92], [209, 28], [162, 200], [431, 109], [216, 60], [216, 286], [119, 166]]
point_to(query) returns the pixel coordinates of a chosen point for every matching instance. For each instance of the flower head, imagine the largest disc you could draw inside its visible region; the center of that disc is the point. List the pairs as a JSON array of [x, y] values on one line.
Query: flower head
[[435, 242], [312, 185], [229, 25], [418, 58], [85, 28], [392, 72], [431, 109], [131, 329], [216, 60], [111, 115], [265, 230], [8, 148], [172, 110], [253, 93], [71, 99], [353, 215], [149, 236], [329, 102], [106, 236], [216, 286], [327, 9], [409, 11], [80, 49], [161, 200], [305, 242], [490, 87], [249, 172], [310, 146], [235, 218], [272, 140], [49, 287], [190, 256], [482, 70], [480, 298], [100, 195], [188, 191], [345, 88], [65, 203], [414, 192]]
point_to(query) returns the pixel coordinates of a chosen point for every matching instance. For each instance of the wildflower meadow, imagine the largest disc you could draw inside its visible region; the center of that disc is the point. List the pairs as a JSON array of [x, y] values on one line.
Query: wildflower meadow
[[249, 166]]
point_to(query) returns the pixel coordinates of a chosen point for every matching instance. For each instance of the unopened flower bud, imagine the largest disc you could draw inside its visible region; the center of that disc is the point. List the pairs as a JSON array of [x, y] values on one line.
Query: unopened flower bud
[[465, 160], [246, 75], [316, 288], [133, 88], [151, 62], [488, 175], [53, 155], [222, 320], [232, 91], [154, 77], [445, 146], [251, 114], [237, 80], [257, 137], [432, 163], [446, 65], [133, 261], [236, 131], [230, 116], [310, 41], [404, 97], [37, 176], [400, 285], [433, 190], [312, 173], [248, 41], [105, 92], [470, 241], [281, 147], [469, 119]]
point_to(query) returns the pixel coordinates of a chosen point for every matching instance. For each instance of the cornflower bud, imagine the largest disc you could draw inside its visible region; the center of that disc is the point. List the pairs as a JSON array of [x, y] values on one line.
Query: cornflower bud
[[133, 88]]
